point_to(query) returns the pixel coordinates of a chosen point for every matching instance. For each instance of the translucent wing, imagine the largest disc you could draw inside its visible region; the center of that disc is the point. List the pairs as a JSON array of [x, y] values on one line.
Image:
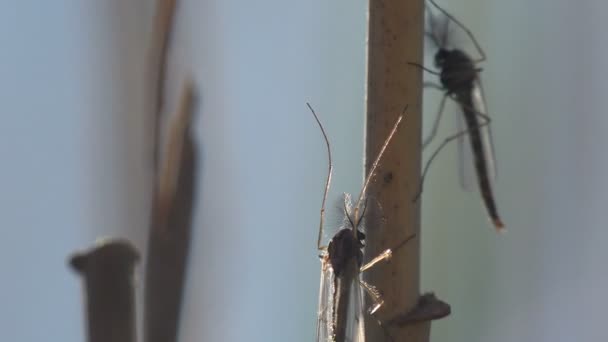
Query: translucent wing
[[468, 177], [486, 136], [326, 302], [465, 157], [355, 325], [326, 316]]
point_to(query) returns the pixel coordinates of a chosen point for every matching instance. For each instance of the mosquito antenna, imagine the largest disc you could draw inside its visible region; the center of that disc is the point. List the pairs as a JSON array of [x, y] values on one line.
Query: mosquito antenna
[[464, 28], [358, 219], [347, 213], [329, 171], [363, 211], [372, 170]]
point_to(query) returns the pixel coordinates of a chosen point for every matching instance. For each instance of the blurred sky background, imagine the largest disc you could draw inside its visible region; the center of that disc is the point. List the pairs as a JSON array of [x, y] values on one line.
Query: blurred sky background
[[76, 165]]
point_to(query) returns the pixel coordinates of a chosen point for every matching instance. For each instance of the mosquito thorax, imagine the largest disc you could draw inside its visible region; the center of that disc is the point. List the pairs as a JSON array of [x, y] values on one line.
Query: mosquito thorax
[[440, 57], [342, 249], [458, 70]]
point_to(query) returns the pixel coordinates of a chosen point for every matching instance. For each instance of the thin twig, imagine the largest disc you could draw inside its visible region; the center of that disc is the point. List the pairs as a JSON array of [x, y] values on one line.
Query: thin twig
[[396, 31], [157, 64], [174, 183]]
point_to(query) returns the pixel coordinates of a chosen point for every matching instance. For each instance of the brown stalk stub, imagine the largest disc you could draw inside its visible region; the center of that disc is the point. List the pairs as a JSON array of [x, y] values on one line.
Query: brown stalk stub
[[107, 270], [116, 254], [428, 308]]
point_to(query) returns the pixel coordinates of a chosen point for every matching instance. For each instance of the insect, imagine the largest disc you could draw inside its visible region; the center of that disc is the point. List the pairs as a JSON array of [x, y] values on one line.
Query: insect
[[341, 289], [459, 77]]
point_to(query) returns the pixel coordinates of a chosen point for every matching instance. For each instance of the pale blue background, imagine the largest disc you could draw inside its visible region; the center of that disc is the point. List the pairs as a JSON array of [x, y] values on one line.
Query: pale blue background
[[75, 163]]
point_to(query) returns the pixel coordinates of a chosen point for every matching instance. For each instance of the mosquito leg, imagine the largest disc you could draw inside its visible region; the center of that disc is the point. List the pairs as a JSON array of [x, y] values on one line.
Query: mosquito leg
[[434, 155], [372, 169], [374, 294], [433, 72], [327, 182], [386, 255], [436, 86], [377, 300], [466, 30], [433, 133], [433, 85], [486, 118]]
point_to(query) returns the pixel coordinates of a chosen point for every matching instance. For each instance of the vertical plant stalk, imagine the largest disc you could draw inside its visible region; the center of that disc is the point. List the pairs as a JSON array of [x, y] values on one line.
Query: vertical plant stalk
[[108, 273], [157, 69], [173, 191], [395, 37], [170, 229]]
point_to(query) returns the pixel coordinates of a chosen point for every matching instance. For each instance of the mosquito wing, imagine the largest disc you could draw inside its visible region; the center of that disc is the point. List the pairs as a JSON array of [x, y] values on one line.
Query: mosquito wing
[[325, 314], [355, 321], [326, 317], [468, 177]]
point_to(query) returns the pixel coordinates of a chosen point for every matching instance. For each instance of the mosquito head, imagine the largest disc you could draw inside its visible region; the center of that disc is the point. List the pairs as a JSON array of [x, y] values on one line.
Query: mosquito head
[[441, 57], [343, 248]]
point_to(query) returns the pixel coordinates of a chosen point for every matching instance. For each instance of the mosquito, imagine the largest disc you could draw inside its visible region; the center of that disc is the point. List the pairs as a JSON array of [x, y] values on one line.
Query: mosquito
[[340, 293], [459, 77]]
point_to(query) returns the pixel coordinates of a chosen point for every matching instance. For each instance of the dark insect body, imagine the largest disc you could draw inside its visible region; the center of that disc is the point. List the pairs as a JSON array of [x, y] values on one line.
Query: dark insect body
[[459, 77], [340, 295]]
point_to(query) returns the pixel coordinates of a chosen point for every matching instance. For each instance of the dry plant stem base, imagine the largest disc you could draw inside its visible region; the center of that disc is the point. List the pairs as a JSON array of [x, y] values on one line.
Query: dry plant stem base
[[428, 308], [108, 273]]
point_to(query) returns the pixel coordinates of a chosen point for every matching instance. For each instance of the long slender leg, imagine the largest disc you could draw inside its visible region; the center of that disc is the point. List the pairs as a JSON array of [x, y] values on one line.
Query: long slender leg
[[433, 133], [484, 116], [386, 255], [434, 155], [376, 162], [433, 72], [372, 291], [377, 303], [374, 294], [433, 85], [466, 30], [327, 183]]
